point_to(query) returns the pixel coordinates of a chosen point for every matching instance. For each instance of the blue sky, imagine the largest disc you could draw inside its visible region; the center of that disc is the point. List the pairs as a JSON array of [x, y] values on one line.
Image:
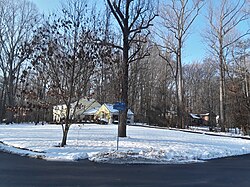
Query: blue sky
[[194, 48], [46, 6]]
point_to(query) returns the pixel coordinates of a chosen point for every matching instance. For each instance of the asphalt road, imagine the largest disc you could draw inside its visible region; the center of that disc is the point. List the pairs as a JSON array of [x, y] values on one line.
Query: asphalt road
[[22, 171]]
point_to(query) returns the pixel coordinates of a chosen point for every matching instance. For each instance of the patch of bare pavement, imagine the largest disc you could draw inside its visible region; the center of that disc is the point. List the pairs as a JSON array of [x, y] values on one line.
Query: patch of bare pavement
[[21, 171]]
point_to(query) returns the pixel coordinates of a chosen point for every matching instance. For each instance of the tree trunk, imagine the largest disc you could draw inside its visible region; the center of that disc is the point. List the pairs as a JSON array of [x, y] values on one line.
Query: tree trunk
[[3, 102], [124, 83], [66, 127], [222, 92], [180, 105], [122, 125], [65, 134], [10, 96]]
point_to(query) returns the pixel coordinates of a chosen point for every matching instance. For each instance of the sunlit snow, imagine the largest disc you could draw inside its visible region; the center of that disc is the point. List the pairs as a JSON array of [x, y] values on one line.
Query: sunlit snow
[[99, 143]]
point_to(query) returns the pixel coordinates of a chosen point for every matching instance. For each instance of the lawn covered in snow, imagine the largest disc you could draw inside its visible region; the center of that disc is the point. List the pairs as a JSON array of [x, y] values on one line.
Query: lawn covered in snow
[[99, 142]]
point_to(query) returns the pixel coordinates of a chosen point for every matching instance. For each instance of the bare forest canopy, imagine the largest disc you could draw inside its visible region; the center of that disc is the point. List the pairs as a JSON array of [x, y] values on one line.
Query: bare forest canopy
[[129, 51]]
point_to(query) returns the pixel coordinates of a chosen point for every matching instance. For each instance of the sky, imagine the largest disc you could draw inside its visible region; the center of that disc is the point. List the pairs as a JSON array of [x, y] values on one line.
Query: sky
[[46, 6], [98, 143], [195, 47]]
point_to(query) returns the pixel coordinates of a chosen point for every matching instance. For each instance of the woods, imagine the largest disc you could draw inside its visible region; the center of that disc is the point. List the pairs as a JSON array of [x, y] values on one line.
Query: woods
[[128, 51]]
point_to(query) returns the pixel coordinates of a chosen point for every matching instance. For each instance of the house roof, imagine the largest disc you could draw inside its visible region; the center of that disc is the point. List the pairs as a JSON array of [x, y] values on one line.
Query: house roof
[[206, 114], [110, 107], [86, 104], [84, 101], [130, 112], [195, 116], [90, 111]]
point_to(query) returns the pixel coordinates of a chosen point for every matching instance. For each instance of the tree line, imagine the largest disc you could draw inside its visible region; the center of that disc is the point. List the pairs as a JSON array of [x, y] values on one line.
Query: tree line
[[129, 51]]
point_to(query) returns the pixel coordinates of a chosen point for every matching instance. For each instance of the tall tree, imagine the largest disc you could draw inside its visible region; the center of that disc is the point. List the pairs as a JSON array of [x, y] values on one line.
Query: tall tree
[[200, 86], [106, 77], [151, 89], [17, 19], [224, 17], [238, 97], [177, 18], [134, 18]]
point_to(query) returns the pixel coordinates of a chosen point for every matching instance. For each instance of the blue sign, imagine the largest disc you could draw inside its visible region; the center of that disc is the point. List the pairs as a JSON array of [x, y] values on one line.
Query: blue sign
[[119, 106]]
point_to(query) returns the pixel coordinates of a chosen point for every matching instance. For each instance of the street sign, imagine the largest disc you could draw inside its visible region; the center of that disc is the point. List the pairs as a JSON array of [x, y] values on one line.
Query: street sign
[[119, 106]]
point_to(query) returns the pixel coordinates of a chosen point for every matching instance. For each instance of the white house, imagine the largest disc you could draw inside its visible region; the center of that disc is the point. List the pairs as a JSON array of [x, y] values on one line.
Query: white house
[[76, 112]]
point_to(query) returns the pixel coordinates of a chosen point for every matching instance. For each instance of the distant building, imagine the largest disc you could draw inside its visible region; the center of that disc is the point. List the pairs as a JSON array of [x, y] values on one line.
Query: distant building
[[89, 115], [84, 104], [89, 110], [107, 114], [59, 113], [206, 119]]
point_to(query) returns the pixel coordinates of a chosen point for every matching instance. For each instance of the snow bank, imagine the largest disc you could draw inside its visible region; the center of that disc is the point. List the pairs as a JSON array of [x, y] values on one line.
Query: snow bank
[[98, 143]]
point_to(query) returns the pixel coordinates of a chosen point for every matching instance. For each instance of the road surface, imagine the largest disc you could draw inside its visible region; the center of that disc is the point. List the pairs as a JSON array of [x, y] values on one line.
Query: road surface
[[22, 171]]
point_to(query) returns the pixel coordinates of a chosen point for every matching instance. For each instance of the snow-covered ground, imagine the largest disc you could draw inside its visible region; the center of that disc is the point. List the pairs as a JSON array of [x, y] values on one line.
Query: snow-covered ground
[[99, 143]]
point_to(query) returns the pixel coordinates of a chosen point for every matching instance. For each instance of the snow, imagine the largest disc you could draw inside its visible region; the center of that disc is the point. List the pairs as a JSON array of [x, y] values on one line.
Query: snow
[[110, 107], [91, 111], [98, 143], [194, 116]]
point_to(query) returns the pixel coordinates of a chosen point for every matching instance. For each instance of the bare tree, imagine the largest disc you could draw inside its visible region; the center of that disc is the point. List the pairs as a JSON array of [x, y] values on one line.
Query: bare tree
[[106, 77], [151, 89], [17, 19], [200, 86], [134, 18], [65, 49], [223, 19], [238, 98], [177, 18]]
